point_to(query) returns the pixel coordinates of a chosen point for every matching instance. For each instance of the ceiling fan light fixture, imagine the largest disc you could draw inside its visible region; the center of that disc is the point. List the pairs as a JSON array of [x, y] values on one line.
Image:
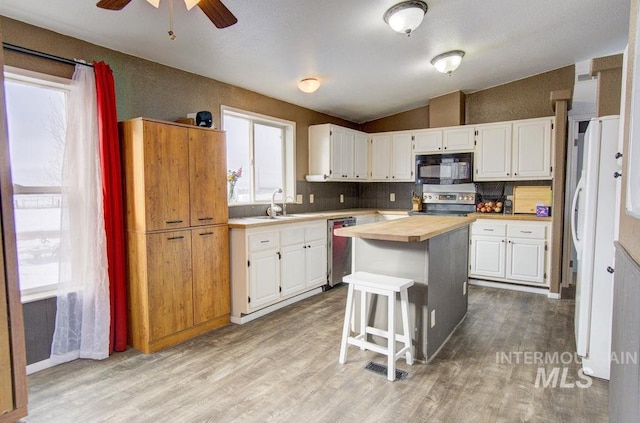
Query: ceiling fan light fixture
[[154, 3], [448, 62], [309, 85], [406, 16], [191, 3]]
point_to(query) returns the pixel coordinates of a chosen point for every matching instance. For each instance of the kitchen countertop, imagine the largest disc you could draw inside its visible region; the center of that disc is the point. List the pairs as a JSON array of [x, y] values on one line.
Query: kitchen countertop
[[260, 221], [531, 217], [411, 229]]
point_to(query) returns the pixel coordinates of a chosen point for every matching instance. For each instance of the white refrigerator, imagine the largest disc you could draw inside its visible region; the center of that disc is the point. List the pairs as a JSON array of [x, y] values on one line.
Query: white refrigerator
[[592, 228]]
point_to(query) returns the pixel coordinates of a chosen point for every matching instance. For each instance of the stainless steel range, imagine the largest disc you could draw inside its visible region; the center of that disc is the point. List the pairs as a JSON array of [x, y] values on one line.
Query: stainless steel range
[[447, 203]]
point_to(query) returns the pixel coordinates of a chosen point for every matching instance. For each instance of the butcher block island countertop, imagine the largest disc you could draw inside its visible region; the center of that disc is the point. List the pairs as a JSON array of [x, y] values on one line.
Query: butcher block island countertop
[[410, 229]]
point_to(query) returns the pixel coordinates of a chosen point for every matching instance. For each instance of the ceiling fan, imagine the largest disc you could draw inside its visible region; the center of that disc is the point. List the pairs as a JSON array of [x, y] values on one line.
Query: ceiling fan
[[214, 9]]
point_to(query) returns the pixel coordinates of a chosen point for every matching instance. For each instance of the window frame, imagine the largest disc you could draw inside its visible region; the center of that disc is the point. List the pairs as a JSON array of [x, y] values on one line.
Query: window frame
[[288, 151], [23, 76]]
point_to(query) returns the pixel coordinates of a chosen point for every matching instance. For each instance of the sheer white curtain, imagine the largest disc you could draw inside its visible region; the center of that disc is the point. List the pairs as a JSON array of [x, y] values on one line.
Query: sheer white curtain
[[82, 319]]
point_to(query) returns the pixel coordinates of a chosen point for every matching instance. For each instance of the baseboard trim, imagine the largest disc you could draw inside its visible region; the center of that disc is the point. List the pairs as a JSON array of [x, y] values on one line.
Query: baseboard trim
[[39, 366], [277, 306], [512, 287]]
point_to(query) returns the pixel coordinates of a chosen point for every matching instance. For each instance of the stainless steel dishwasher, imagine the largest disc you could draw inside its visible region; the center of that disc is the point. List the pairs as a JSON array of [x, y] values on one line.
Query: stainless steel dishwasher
[[339, 251]]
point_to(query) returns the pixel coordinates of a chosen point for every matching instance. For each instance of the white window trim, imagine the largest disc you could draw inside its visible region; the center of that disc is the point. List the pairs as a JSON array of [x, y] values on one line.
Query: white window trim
[[40, 79], [289, 188]]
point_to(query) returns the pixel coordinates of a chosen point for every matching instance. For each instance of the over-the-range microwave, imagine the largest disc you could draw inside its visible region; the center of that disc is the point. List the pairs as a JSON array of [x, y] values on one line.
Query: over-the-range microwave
[[444, 169]]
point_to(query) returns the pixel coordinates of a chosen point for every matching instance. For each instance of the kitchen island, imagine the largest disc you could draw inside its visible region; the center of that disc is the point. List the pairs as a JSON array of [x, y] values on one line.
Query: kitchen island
[[431, 250]]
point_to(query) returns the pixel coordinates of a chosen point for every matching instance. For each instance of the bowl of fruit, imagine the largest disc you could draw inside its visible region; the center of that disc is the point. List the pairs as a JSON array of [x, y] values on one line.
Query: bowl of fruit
[[489, 207]]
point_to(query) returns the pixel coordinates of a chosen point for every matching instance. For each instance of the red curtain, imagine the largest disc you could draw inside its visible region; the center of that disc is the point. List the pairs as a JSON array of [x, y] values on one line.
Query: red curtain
[[113, 207]]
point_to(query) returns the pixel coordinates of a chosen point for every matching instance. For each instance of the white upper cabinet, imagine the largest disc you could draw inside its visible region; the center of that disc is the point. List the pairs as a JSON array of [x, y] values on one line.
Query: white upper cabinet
[[518, 150], [532, 149], [360, 156], [401, 157], [337, 153], [492, 158], [458, 138], [444, 140], [380, 155], [392, 157], [428, 141]]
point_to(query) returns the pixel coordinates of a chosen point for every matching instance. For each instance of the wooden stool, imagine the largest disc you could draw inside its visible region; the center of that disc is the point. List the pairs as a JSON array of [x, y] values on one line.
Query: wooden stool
[[380, 285]]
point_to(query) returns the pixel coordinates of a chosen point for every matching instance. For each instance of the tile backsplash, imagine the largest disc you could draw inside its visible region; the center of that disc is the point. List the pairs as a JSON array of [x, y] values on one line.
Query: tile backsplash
[[327, 197]]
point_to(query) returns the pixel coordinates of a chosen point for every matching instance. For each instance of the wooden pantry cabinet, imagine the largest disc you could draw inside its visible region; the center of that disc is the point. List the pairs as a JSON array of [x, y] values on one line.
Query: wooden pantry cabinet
[[177, 234]]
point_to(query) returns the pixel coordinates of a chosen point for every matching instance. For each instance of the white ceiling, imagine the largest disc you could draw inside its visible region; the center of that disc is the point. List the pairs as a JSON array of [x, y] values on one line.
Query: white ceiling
[[367, 70]]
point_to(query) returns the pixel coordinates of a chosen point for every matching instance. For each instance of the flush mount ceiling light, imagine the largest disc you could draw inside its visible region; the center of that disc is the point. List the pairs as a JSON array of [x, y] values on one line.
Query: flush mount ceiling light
[[448, 62], [406, 16], [308, 85]]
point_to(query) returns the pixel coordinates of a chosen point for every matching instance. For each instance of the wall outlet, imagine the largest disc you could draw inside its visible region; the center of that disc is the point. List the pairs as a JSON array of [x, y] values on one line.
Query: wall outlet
[[342, 198], [433, 318], [464, 288], [310, 198], [299, 198], [392, 197]]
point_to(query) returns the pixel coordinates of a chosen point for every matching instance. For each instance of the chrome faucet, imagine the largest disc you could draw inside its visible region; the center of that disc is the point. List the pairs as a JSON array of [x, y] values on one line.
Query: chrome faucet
[[274, 209]]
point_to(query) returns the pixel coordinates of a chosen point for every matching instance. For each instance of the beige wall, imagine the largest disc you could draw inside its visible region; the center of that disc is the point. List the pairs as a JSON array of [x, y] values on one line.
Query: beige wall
[[148, 89], [412, 119], [523, 99], [447, 110], [629, 226]]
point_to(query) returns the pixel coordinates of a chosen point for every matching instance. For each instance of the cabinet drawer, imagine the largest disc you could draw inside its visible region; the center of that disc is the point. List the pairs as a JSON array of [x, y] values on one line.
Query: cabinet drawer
[[291, 236], [489, 228], [527, 231], [264, 240], [316, 231]]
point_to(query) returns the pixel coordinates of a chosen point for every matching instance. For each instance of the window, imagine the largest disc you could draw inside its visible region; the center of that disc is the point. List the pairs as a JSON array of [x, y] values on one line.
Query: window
[[260, 156], [36, 118]]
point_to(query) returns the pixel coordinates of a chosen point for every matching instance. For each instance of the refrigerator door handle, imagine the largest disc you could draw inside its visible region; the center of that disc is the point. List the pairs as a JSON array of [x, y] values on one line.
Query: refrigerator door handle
[[574, 229]]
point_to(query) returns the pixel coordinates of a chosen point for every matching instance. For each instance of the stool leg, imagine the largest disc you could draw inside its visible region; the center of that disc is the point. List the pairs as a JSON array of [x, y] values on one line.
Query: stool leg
[[345, 328], [391, 334], [363, 316], [404, 304]]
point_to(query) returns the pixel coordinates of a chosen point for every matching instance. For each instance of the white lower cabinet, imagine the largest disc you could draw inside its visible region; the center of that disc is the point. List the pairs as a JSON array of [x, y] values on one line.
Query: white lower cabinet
[[263, 278], [269, 265], [510, 251]]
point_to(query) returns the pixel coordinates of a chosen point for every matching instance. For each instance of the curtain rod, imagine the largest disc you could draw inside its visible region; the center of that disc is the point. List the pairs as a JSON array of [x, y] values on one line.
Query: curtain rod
[[36, 53]]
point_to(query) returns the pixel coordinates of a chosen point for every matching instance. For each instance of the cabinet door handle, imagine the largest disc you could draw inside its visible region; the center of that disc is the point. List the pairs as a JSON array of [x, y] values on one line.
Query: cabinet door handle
[[264, 241], [205, 218], [617, 174], [487, 229], [172, 222], [525, 232], [206, 233], [172, 238], [610, 269], [618, 155]]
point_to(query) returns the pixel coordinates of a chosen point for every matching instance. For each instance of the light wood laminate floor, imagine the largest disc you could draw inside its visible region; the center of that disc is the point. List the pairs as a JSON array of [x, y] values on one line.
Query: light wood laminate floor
[[284, 368]]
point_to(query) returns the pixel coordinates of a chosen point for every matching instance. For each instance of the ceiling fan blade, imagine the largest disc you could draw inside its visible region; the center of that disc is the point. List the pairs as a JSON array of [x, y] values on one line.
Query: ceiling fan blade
[[217, 13], [112, 4]]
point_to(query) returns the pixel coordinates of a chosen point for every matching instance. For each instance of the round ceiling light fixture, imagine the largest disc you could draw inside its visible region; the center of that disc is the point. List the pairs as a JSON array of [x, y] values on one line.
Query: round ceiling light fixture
[[448, 62], [309, 85], [406, 16]]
